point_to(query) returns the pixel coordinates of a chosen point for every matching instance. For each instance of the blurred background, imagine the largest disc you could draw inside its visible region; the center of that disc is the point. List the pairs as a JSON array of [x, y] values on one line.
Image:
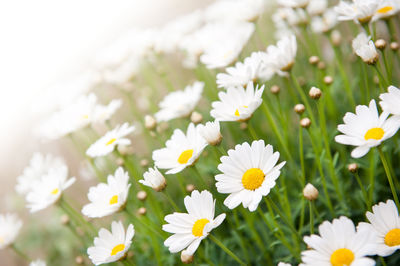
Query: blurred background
[[44, 43]]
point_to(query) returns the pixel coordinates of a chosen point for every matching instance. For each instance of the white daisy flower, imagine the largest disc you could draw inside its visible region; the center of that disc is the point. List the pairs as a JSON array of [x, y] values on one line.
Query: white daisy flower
[[154, 179], [284, 264], [180, 103], [37, 263], [385, 224], [108, 198], [10, 226], [111, 246], [110, 140], [211, 132], [48, 189], [248, 174], [360, 11], [366, 129], [190, 228], [338, 244], [237, 104], [317, 7], [293, 3], [325, 23], [180, 151], [280, 57], [364, 47], [39, 165], [390, 101], [386, 9]]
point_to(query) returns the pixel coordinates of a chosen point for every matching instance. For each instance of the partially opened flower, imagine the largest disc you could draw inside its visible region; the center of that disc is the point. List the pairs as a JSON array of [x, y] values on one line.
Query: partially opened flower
[[111, 246], [180, 151], [366, 129], [48, 189], [385, 224], [390, 101], [211, 132], [190, 228], [180, 103], [339, 244], [248, 174], [154, 179], [361, 11], [108, 198], [110, 140], [10, 225], [364, 47], [237, 104], [37, 263]]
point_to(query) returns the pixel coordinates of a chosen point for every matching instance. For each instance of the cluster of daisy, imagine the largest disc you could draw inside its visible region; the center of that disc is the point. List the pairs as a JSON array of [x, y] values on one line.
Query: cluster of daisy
[[207, 136]]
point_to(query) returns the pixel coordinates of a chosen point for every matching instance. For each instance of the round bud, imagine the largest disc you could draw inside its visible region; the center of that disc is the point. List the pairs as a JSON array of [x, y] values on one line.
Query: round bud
[[376, 79], [321, 65], [150, 122], [196, 117], [380, 44], [353, 167], [313, 60], [79, 260], [186, 258], [275, 89], [305, 122], [328, 80], [299, 108], [315, 93], [310, 192], [141, 195], [144, 162], [243, 126], [394, 46], [64, 219], [142, 211], [120, 161], [336, 38], [190, 188]]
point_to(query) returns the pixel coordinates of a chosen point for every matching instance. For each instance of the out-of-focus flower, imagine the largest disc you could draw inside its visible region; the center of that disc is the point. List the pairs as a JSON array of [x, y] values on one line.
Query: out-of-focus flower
[[364, 47], [293, 3], [181, 150], [339, 244], [111, 246], [180, 103], [237, 104], [39, 166], [37, 263], [108, 198], [10, 225], [317, 7], [48, 189], [190, 228], [385, 224], [248, 174], [110, 140], [360, 11], [325, 23], [239, 10], [366, 129], [211, 132], [390, 101], [387, 9], [154, 179]]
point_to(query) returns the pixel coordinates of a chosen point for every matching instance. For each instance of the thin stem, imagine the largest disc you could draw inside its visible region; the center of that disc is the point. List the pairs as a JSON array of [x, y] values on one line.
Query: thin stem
[[389, 176], [230, 253], [310, 205], [166, 194], [20, 253], [364, 192]]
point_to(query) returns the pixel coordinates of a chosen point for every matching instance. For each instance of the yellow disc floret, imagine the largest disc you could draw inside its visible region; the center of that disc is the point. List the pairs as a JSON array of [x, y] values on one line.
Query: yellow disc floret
[[117, 248], [392, 238], [185, 156], [385, 9], [55, 191], [114, 200], [342, 257], [111, 141], [198, 227], [253, 178], [374, 133]]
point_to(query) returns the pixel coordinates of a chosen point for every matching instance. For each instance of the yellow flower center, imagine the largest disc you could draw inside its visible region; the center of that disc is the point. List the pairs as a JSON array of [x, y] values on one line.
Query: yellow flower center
[[392, 238], [253, 178], [342, 257], [385, 9], [117, 248], [55, 191], [111, 141], [1, 240], [114, 200], [185, 156], [374, 133], [237, 110], [85, 116], [198, 227]]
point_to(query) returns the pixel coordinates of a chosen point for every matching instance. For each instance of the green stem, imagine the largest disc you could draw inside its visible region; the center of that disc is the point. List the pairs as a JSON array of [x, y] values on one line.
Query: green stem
[[389, 176], [168, 197], [364, 192], [20, 253], [310, 204], [229, 252]]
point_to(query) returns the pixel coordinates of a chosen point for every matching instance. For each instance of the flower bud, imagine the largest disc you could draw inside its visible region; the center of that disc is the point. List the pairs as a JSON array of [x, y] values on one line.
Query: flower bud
[[211, 132], [196, 117], [315, 93], [353, 167], [299, 108], [336, 37], [310, 192], [120, 161], [190, 188], [275, 89], [142, 211], [79, 260], [154, 179], [380, 44], [305, 122], [243, 126], [144, 162], [321, 65], [64, 219], [150, 122], [394, 46], [328, 80], [313, 60], [186, 258], [141, 195]]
